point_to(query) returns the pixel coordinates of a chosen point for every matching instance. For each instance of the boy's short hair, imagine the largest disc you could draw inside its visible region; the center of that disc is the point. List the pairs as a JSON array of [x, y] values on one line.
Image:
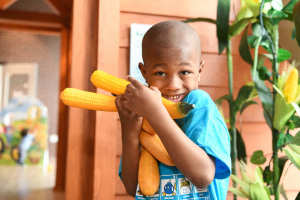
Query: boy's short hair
[[24, 132], [170, 34]]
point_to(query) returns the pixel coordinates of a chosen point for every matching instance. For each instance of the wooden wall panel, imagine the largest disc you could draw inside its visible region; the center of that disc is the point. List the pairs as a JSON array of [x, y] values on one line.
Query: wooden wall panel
[[206, 31], [177, 8], [63, 117], [81, 135], [106, 123]]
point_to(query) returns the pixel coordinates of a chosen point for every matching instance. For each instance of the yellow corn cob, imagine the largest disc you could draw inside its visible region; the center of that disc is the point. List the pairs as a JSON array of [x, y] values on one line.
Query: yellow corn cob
[[147, 127], [117, 86], [290, 87], [109, 82], [154, 145], [88, 100], [148, 175], [93, 101]]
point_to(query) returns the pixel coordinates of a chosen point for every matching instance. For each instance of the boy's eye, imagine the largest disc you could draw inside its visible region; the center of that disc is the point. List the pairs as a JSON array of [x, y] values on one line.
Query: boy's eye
[[185, 72], [160, 74]]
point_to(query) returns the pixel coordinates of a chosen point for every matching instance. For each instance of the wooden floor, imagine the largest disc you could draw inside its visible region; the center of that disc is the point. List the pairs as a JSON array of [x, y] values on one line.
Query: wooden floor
[[28, 183]]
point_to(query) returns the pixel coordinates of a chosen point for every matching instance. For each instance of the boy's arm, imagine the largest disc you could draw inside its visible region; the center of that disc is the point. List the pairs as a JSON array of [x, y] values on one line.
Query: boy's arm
[[190, 159], [131, 129]]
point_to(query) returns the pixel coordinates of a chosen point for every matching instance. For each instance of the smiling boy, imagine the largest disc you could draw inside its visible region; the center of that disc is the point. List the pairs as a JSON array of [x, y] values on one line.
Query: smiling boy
[[200, 148]]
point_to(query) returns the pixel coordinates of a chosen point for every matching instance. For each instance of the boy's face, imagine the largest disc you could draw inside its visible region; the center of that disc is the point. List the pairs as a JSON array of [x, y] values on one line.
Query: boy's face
[[174, 71]]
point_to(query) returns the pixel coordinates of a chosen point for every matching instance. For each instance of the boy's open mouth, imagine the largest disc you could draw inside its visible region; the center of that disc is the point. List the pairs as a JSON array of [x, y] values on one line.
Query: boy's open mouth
[[174, 98]]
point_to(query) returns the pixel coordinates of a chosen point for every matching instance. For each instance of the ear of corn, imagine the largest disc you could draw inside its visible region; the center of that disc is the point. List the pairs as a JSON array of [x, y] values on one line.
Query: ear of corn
[[117, 86], [109, 82], [155, 146], [88, 100], [290, 87], [147, 127], [148, 175]]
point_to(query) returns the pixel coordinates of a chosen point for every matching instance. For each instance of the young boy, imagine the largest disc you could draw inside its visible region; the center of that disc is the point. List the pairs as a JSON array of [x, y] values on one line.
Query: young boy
[[25, 143], [200, 148]]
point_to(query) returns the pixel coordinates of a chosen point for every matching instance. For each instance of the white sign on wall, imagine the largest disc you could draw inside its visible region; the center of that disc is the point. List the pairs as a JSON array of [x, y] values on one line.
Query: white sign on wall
[[137, 33]]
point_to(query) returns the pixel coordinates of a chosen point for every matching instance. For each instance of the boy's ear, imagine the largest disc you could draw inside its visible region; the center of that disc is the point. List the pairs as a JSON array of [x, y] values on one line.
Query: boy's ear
[[200, 69], [143, 70]]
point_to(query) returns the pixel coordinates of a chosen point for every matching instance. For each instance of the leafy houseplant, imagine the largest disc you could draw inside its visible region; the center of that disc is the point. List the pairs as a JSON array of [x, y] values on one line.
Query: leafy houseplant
[[263, 17]]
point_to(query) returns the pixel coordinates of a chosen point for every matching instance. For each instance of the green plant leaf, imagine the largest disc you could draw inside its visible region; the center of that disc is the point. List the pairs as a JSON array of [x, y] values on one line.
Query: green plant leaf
[[200, 19], [291, 125], [296, 121], [289, 7], [261, 61], [252, 39], [218, 101], [282, 191], [267, 175], [269, 26], [283, 55], [242, 183], [284, 139], [277, 4], [275, 16], [293, 33], [295, 148], [296, 107], [281, 163], [243, 96], [288, 138], [290, 17], [258, 192], [280, 140], [296, 139], [258, 31], [298, 196], [237, 28], [264, 74], [244, 48], [265, 43], [238, 192], [296, 17], [223, 23], [258, 158], [254, 6], [245, 105], [244, 12], [265, 96], [293, 156], [240, 147]]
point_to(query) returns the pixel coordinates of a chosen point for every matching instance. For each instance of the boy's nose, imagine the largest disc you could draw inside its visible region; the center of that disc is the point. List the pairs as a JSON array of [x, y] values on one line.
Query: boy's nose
[[174, 84]]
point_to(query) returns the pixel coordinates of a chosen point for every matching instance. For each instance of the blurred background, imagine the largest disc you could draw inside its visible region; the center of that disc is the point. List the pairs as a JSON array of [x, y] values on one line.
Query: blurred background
[[49, 45]]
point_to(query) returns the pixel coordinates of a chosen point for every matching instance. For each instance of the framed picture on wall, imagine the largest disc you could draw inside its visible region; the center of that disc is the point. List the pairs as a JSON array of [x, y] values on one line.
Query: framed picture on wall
[[17, 79], [137, 32]]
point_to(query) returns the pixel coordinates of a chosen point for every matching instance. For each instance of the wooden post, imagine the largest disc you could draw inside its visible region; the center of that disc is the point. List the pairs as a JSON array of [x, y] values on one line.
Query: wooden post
[[91, 148], [63, 111], [106, 123], [81, 134]]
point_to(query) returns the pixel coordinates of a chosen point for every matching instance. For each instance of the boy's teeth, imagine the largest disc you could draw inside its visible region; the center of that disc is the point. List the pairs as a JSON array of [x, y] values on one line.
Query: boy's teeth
[[173, 97]]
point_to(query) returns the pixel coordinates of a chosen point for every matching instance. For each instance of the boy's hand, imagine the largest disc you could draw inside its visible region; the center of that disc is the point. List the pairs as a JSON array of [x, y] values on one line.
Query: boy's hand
[[142, 100], [128, 119]]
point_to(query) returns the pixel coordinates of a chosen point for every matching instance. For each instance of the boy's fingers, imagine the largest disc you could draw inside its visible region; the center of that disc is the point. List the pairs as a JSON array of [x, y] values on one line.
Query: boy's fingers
[[154, 89], [135, 82], [118, 101], [127, 95], [130, 87]]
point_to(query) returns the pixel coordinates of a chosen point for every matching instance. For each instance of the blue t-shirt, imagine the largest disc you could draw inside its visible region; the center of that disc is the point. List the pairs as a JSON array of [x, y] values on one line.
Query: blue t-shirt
[[205, 126]]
